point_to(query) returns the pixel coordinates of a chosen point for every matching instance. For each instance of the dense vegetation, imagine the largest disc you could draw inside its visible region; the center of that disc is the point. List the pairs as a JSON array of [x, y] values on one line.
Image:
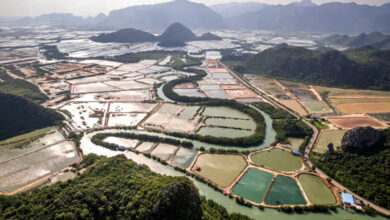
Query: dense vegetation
[[52, 52], [367, 175], [362, 68], [136, 57], [19, 116], [114, 188], [375, 39], [252, 140], [286, 125], [178, 33], [174, 36], [21, 88], [171, 43], [128, 35], [98, 139]]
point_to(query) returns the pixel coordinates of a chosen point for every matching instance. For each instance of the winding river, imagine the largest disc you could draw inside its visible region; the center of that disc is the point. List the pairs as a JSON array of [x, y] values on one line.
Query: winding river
[[88, 147]]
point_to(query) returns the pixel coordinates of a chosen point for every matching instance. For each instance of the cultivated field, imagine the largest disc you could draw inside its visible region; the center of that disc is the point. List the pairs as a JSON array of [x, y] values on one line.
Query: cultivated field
[[353, 121], [316, 107], [326, 137], [295, 106], [267, 85], [359, 108]]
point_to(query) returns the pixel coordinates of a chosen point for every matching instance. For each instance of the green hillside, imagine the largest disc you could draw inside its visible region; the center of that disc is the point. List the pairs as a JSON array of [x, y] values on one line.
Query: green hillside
[[367, 174], [128, 35], [115, 188], [21, 88], [362, 68], [19, 116]]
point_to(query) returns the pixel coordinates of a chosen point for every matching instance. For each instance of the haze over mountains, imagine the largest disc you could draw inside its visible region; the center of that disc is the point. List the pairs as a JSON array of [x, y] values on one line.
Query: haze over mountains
[[175, 35], [376, 40], [302, 16]]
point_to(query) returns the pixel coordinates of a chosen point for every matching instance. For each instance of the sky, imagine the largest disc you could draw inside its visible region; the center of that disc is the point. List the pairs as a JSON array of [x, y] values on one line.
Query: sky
[[23, 8]]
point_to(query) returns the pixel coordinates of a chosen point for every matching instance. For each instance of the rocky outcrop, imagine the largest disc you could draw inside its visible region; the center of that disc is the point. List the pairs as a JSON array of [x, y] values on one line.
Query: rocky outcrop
[[361, 139]]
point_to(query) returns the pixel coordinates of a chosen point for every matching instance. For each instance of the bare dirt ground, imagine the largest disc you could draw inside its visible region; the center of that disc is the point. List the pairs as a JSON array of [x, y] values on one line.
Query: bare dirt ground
[[353, 121]]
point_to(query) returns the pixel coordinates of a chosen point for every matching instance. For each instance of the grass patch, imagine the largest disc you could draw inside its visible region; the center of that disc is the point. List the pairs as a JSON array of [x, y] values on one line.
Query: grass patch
[[27, 136], [21, 88]]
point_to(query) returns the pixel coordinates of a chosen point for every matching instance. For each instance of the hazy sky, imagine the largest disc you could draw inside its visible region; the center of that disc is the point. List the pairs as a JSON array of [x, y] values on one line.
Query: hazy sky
[[21, 8]]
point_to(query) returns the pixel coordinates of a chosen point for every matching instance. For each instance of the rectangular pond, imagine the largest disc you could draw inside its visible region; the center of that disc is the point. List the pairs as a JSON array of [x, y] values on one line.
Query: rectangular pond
[[146, 147], [184, 157], [224, 112], [316, 190], [285, 191], [28, 168], [235, 123], [224, 132], [221, 169], [164, 151], [253, 185]]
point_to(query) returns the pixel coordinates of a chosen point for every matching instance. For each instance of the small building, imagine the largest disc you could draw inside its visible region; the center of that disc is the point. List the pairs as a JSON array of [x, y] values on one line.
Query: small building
[[359, 204], [347, 199], [296, 153], [121, 148], [197, 167]]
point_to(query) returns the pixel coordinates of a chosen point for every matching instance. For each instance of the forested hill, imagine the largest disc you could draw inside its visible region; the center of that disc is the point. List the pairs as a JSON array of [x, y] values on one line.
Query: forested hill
[[19, 116], [128, 35], [375, 39], [362, 68], [115, 188]]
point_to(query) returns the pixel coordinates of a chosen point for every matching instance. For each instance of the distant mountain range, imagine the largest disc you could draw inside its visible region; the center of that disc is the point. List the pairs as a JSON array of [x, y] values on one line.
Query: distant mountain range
[[232, 9], [329, 17], [376, 40], [176, 35], [300, 16]]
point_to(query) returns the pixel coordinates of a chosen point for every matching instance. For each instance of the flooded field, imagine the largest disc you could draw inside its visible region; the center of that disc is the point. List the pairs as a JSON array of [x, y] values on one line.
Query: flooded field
[[125, 119], [184, 157], [190, 92], [234, 123], [189, 112], [220, 169], [224, 132], [131, 107], [15, 150], [23, 170], [285, 191], [164, 151], [316, 190], [146, 146], [277, 159], [253, 185], [224, 112]]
